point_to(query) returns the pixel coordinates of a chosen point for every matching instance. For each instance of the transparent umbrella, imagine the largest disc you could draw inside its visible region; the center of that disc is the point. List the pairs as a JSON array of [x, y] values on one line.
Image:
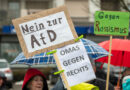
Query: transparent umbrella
[[94, 51]]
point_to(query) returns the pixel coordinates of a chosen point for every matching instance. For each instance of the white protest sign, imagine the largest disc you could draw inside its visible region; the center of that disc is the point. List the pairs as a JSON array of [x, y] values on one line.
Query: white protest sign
[[44, 31], [75, 61]]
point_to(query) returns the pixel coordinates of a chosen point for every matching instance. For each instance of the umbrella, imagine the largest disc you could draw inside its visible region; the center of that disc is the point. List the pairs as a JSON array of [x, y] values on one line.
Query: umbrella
[[41, 58], [120, 52], [94, 51]]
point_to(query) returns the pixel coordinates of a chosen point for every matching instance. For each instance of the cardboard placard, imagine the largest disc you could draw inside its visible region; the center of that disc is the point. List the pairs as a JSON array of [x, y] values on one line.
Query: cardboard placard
[[111, 23], [75, 61], [44, 31]]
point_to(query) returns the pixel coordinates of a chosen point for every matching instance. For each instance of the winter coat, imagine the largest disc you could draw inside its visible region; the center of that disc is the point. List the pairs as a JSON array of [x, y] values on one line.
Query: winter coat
[[30, 74], [59, 85], [83, 86], [3, 87], [101, 84]]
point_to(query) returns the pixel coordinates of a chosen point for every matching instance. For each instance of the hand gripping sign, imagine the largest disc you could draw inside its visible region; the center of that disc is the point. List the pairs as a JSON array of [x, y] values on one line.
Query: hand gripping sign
[[44, 31]]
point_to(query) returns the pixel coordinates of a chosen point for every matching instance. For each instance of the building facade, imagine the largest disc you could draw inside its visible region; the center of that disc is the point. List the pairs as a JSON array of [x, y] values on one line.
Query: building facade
[[81, 12]]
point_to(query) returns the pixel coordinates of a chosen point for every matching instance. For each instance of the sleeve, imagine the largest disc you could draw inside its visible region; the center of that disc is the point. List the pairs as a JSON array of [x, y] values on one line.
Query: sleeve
[[59, 85]]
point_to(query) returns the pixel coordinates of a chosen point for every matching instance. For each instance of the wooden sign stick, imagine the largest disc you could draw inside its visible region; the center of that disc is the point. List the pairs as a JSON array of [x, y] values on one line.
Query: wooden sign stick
[[62, 74], [109, 60]]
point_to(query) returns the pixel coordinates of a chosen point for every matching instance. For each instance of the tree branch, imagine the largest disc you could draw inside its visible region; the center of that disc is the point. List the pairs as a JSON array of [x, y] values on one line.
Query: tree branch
[[124, 5]]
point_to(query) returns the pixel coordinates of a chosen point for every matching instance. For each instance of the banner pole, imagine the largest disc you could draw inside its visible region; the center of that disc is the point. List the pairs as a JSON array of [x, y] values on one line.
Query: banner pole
[[62, 74], [109, 60]]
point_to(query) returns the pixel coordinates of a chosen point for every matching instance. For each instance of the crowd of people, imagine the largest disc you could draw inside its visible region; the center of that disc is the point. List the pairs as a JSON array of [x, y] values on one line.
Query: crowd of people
[[36, 80]]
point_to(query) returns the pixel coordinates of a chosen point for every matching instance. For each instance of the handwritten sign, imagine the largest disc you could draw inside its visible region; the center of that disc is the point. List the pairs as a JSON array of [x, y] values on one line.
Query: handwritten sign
[[45, 31], [111, 23], [74, 60]]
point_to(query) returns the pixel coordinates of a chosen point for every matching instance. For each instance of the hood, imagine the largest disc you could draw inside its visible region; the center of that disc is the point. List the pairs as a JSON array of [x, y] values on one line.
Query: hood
[[30, 74]]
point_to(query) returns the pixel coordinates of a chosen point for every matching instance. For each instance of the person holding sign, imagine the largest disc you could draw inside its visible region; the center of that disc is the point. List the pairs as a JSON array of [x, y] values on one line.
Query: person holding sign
[[34, 80], [96, 82], [82, 86]]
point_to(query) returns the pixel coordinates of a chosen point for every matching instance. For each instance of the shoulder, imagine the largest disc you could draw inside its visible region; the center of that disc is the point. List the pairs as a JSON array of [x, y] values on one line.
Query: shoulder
[[59, 85], [3, 88], [101, 83]]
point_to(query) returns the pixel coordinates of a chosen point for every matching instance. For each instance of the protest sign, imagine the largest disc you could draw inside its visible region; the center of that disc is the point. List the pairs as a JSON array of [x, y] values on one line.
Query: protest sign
[[44, 31], [74, 60], [111, 23]]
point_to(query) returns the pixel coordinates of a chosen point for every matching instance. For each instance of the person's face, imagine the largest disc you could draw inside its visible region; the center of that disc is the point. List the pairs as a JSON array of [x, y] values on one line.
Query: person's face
[[36, 83], [1, 81]]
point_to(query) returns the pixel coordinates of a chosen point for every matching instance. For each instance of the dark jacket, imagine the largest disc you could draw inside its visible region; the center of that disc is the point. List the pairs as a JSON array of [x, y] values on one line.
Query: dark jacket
[[101, 84], [3, 77], [30, 74], [97, 82], [59, 85], [3, 88]]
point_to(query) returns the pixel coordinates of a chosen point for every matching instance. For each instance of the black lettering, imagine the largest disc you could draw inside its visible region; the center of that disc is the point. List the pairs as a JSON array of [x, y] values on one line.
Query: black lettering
[[68, 74], [113, 17], [81, 57], [42, 38], [49, 32], [77, 47], [68, 50], [124, 30], [60, 20], [62, 52], [101, 29], [116, 29], [106, 16], [105, 29], [97, 25], [117, 17], [34, 40], [101, 15], [121, 30], [36, 26], [76, 71], [25, 29], [54, 22], [73, 60], [65, 63], [72, 72], [41, 26], [112, 30], [49, 23], [31, 28]]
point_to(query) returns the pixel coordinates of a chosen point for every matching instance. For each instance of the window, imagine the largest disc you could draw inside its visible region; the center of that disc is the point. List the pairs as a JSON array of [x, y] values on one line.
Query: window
[[9, 51], [3, 64], [13, 11]]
